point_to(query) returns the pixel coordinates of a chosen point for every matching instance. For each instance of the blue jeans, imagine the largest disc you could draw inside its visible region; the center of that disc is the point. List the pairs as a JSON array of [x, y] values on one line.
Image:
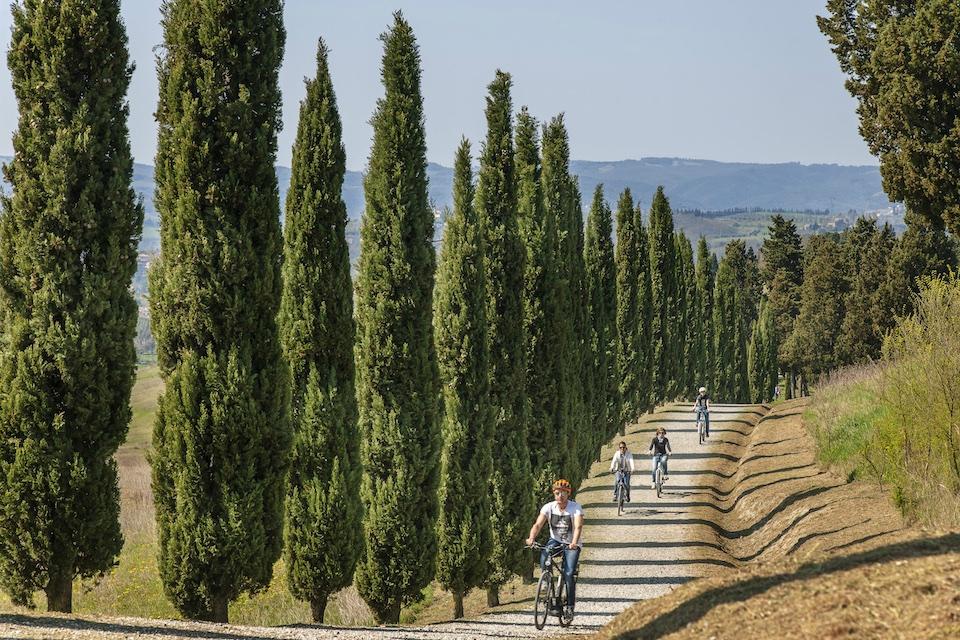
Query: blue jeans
[[706, 420], [653, 467], [570, 559], [626, 479]]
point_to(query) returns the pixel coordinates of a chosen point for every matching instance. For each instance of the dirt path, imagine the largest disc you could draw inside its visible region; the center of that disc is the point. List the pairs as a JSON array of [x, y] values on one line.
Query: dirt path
[[657, 545]]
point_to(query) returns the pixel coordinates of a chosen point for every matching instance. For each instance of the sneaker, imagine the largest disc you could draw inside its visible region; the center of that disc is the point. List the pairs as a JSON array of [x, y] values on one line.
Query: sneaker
[[568, 613], [653, 485]]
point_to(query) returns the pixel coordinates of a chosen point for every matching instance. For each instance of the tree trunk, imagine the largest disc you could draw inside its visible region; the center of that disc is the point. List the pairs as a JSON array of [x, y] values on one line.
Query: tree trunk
[[60, 593], [388, 615], [218, 608], [317, 606], [457, 605], [493, 596]]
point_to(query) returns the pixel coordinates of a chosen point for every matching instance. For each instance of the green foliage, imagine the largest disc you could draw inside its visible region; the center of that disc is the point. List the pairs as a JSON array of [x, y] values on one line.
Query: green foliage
[[762, 363], [812, 344], [221, 436], [663, 331], [68, 241], [867, 315], [322, 509], [645, 399], [558, 201], [705, 276], [464, 534], [782, 274], [903, 67], [730, 368], [602, 301], [541, 310], [497, 208], [688, 325], [396, 363], [630, 351]]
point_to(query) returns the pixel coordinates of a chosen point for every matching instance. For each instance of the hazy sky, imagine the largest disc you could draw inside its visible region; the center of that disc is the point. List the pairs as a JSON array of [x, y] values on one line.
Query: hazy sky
[[732, 80]]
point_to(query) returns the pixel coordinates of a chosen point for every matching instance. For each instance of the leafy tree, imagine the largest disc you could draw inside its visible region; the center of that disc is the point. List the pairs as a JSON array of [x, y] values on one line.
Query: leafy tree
[[762, 356], [922, 250], [731, 381], [221, 437], [541, 310], [908, 113], [704, 303], [558, 200], [68, 249], [602, 300], [497, 208], [663, 297], [322, 509], [644, 316], [821, 305], [397, 388], [689, 321], [630, 350], [782, 274], [460, 327]]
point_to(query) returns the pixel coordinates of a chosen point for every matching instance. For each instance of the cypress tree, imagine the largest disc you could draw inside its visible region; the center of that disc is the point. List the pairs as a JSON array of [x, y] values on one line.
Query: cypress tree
[[731, 380], [704, 304], [496, 200], [538, 231], [582, 378], [555, 181], [663, 298], [221, 435], [630, 351], [821, 305], [397, 389], [602, 300], [644, 315], [782, 274], [689, 325], [322, 509], [460, 328], [762, 356], [861, 335], [68, 249]]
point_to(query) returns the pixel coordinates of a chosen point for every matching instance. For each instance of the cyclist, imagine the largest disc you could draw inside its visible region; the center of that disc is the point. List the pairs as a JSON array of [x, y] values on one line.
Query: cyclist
[[701, 407], [622, 464], [660, 449], [566, 524]]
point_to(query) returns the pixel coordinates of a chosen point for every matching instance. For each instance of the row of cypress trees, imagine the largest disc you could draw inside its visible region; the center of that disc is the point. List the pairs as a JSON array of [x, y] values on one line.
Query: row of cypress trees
[[291, 421]]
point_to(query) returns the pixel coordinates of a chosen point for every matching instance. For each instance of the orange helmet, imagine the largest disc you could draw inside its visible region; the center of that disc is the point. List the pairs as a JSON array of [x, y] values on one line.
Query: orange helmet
[[563, 485]]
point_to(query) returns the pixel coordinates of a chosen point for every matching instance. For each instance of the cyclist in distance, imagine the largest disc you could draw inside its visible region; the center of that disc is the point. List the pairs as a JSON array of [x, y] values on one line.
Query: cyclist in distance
[[660, 450], [701, 407], [622, 464], [566, 524]]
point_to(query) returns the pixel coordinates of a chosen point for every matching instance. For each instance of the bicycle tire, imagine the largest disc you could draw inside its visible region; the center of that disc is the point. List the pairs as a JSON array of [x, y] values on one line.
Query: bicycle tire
[[659, 479], [541, 607], [620, 499], [700, 428], [562, 598]]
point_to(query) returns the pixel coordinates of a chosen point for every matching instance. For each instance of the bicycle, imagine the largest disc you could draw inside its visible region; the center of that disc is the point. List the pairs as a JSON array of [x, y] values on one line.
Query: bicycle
[[658, 476], [551, 596], [622, 490], [701, 426]]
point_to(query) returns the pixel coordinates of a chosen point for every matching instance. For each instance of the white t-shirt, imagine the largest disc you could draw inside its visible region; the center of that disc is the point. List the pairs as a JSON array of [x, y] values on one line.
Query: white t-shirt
[[561, 522]]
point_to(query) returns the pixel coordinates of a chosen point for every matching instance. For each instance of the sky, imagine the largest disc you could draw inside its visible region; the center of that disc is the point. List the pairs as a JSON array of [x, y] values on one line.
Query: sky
[[731, 80]]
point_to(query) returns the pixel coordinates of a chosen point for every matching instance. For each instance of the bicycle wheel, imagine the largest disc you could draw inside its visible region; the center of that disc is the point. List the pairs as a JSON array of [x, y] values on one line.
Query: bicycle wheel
[[620, 497], [562, 599], [541, 608], [659, 480], [700, 430]]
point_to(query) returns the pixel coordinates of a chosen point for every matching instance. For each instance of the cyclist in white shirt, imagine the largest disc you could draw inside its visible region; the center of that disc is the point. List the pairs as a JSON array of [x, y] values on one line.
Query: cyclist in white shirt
[[622, 464], [566, 524]]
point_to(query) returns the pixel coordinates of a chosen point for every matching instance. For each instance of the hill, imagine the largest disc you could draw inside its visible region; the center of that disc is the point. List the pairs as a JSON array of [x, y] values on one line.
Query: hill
[[737, 191]]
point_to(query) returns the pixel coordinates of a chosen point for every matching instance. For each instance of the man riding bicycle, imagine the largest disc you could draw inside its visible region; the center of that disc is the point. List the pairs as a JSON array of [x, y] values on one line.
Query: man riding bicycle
[[660, 449], [566, 524], [622, 464], [701, 407]]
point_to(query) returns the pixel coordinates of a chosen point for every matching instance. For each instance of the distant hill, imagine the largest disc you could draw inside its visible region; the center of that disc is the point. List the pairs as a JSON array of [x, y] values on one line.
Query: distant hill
[[706, 185]]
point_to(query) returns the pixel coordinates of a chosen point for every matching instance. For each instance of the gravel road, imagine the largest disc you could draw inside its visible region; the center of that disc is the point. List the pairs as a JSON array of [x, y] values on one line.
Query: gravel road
[[642, 554]]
